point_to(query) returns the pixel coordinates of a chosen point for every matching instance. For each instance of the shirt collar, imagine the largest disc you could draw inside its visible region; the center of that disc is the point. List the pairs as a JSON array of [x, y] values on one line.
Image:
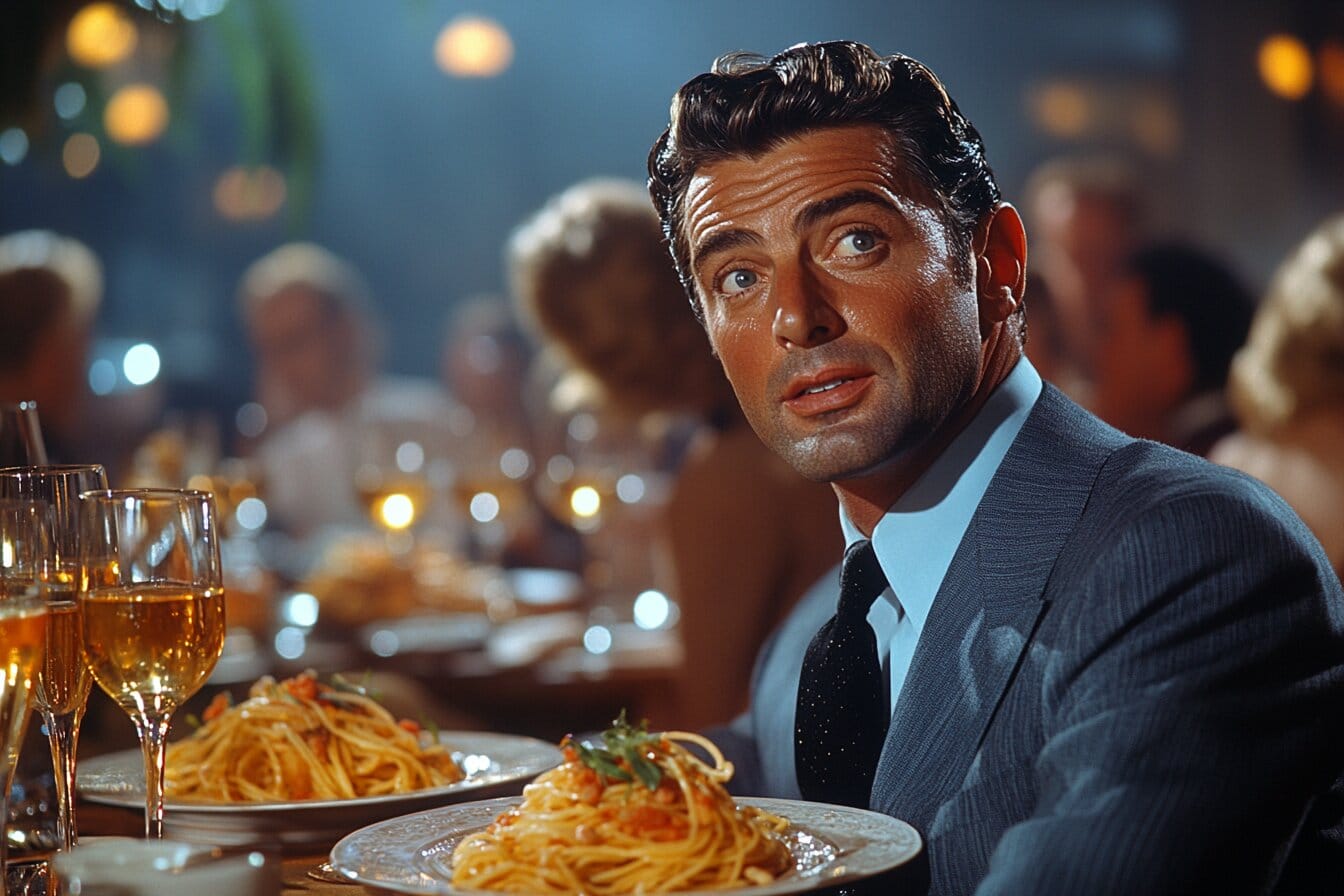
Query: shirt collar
[[929, 521]]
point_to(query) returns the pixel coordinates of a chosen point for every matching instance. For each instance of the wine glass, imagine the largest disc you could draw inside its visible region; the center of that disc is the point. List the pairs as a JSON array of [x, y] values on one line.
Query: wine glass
[[63, 681], [153, 600], [21, 435], [23, 633]]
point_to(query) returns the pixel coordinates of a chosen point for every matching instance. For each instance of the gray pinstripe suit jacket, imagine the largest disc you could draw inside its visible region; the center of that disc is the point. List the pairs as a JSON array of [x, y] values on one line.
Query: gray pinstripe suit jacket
[[1131, 681]]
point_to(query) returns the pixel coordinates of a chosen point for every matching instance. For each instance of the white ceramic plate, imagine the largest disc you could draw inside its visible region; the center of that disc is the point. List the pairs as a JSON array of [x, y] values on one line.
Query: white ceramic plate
[[495, 764], [831, 845]]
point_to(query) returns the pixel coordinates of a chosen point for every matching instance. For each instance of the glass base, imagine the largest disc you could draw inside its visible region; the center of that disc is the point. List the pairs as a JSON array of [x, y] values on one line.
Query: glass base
[[31, 827], [27, 877]]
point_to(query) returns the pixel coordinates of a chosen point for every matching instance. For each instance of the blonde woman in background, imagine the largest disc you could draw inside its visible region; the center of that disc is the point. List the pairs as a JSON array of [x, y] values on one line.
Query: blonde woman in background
[[742, 535], [1287, 388]]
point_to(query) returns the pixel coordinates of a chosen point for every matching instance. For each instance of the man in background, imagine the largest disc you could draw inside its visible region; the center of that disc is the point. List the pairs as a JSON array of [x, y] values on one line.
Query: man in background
[[50, 289], [1168, 330]]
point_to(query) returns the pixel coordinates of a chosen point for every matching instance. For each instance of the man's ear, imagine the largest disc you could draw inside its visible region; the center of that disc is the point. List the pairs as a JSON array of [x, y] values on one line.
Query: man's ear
[[1000, 265]]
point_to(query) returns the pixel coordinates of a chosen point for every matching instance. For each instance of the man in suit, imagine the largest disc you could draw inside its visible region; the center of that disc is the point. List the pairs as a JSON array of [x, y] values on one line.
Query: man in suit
[[1101, 665]]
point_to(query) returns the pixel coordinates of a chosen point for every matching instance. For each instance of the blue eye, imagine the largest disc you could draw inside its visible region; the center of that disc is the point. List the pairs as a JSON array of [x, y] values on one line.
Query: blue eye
[[738, 281], [858, 242]]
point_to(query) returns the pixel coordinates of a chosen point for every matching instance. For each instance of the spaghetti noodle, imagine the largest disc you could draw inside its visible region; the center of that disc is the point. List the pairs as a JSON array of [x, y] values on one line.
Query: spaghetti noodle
[[643, 815], [302, 740]]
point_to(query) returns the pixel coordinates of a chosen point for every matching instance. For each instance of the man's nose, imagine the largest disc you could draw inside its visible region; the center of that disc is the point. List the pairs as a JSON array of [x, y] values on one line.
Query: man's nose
[[805, 315]]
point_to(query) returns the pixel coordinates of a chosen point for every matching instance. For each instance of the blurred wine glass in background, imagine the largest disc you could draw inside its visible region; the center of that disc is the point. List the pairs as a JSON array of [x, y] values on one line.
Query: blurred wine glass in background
[[21, 441]]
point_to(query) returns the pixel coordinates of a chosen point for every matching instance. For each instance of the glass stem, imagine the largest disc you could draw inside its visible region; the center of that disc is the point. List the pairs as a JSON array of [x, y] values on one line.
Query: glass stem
[[63, 735], [153, 730]]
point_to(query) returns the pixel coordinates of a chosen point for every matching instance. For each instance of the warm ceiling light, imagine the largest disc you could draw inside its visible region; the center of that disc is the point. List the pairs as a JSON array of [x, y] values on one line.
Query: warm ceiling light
[[1285, 66], [136, 114], [80, 155], [473, 46], [1063, 109], [100, 34]]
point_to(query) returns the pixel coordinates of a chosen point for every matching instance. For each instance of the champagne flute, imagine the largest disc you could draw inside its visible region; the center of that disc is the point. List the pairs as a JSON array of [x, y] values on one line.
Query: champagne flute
[[23, 541], [21, 435], [63, 680], [153, 599]]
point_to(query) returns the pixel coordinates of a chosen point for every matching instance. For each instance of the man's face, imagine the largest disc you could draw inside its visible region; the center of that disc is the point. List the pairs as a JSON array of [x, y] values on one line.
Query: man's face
[[300, 347], [836, 298], [1143, 365]]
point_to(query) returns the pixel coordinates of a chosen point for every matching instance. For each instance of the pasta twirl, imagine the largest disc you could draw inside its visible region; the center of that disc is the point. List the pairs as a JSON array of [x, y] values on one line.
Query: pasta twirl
[[644, 815], [302, 740]]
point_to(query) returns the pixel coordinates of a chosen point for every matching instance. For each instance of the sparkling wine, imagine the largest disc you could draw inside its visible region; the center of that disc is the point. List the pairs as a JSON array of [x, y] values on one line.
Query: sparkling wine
[[63, 680], [23, 632], [151, 647]]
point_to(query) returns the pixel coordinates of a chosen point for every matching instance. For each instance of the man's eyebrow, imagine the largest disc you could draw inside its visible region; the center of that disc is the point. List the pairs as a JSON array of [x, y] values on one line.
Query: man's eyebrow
[[824, 208], [723, 241]]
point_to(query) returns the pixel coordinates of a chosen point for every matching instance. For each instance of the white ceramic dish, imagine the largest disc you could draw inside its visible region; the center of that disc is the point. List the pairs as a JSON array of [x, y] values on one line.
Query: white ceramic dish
[[496, 764], [831, 846]]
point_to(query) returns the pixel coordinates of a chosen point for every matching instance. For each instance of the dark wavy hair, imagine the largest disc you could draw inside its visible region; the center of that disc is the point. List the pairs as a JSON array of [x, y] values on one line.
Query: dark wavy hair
[[747, 105]]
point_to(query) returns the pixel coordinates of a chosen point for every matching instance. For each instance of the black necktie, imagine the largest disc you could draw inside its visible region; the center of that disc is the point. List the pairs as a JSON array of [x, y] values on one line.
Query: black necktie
[[843, 714]]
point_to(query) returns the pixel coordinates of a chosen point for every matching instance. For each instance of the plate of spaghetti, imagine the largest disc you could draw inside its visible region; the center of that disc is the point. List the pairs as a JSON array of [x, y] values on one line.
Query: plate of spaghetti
[[302, 763], [638, 813]]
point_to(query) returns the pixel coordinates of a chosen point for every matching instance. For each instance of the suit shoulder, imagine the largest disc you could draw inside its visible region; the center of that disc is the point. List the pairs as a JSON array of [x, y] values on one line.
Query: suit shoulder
[[1157, 517], [1141, 477]]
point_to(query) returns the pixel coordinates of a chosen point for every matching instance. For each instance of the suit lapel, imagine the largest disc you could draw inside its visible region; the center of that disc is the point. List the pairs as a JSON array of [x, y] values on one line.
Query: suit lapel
[[987, 608]]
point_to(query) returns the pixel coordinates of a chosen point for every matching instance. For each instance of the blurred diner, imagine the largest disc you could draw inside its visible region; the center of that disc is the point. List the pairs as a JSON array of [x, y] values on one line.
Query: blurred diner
[[1287, 388], [1169, 326], [334, 422], [740, 536], [1087, 213], [50, 289]]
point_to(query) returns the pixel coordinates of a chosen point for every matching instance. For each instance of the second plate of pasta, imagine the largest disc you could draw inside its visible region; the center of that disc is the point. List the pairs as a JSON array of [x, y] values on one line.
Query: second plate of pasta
[[494, 765]]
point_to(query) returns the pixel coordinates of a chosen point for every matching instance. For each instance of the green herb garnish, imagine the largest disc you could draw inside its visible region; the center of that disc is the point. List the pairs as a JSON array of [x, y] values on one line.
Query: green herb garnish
[[628, 744]]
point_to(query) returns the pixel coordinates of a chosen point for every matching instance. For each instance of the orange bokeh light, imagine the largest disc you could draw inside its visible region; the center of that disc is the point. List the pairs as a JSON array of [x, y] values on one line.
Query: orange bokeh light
[[136, 114], [474, 47], [100, 35], [80, 155], [243, 194], [1285, 66]]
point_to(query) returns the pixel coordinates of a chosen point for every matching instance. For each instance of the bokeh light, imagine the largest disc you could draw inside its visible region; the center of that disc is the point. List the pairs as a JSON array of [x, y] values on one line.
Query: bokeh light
[[559, 468], [652, 609], [397, 511], [69, 99], [1062, 109], [473, 47], [100, 35], [630, 488], [484, 507], [136, 114], [141, 364], [102, 377], [243, 194], [251, 514], [585, 501], [515, 463], [251, 419], [410, 457], [13, 145], [597, 639], [80, 155], [1285, 66]]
